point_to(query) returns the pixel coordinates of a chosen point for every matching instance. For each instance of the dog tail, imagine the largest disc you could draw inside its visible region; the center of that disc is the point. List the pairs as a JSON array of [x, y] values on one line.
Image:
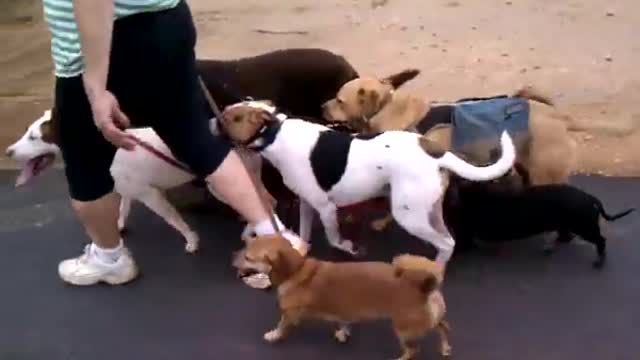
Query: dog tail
[[613, 217], [468, 171], [531, 93], [399, 79], [425, 274]]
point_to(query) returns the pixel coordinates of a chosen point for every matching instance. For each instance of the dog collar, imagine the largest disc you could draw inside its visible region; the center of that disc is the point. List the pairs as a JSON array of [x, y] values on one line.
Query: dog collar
[[266, 135]]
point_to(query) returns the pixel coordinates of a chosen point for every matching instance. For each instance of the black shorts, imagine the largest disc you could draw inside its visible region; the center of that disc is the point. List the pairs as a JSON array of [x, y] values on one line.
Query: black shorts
[[153, 75]]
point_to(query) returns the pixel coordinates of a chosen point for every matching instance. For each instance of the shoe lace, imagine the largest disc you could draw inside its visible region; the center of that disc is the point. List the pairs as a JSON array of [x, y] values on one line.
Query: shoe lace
[[86, 253]]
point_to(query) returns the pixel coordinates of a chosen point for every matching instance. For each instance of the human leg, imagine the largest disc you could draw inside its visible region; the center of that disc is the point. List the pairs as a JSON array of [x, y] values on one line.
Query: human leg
[[87, 157], [183, 122]]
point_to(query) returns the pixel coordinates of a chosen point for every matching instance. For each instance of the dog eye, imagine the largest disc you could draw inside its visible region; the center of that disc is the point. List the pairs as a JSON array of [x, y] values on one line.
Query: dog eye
[[339, 101]]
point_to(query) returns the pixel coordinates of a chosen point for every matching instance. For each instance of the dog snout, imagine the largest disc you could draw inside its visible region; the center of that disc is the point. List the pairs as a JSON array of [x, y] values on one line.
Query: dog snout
[[326, 112], [9, 152]]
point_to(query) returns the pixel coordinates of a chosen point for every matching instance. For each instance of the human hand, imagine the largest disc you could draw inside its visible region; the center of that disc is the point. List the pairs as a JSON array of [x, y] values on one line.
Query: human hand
[[110, 119]]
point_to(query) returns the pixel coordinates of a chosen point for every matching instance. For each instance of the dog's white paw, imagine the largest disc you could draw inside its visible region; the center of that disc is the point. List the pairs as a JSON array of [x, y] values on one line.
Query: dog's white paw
[[342, 334], [549, 248], [273, 335], [347, 246], [446, 351], [192, 242]]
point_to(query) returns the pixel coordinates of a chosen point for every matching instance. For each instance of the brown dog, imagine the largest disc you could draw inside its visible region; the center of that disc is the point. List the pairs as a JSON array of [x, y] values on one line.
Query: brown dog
[[406, 291], [371, 105]]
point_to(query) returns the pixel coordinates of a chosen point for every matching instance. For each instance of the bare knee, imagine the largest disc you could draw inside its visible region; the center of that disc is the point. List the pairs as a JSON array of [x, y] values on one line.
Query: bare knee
[[104, 206]]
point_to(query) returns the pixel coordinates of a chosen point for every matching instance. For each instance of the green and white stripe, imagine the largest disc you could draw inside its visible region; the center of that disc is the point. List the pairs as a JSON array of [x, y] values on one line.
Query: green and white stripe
[[65, 40]]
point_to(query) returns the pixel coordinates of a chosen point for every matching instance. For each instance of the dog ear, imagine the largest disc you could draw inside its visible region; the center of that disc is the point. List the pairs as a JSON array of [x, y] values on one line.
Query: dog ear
[[372, 96], [267, 116], [260, 117], [49, 129], [46, 132], [226, 116], [399, 79], [284, 262], [272, 258], [429, 284]]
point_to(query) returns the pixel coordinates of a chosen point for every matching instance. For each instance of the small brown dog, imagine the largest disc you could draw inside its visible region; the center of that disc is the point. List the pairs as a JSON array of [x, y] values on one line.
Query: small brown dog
[[371, 105], [406, 291]]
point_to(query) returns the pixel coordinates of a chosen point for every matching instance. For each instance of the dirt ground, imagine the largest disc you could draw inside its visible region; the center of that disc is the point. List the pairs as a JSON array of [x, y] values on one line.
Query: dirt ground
[[583, 53]]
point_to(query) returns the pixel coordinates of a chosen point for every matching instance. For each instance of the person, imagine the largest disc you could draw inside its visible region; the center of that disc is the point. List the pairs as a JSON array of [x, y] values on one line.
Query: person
[[122, 62]]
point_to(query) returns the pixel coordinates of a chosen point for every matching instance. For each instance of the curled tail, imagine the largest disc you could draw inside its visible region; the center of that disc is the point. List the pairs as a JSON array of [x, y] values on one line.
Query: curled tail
[[614, 217], [425, 274], [468, 171]]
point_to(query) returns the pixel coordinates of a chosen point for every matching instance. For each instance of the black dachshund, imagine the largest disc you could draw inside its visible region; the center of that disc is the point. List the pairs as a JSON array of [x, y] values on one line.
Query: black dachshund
[[493, 212]]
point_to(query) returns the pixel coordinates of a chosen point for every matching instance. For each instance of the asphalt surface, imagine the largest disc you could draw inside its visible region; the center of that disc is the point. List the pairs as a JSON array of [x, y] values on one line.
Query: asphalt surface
[[506, 303]]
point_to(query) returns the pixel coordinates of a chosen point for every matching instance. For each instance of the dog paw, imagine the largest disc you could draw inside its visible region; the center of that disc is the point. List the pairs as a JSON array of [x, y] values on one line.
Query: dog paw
[[446, 351], [347, 246], [342, 334], [192, 243], [273, 336], [360, 251], [380, 224], [598, 264], [548, 249]]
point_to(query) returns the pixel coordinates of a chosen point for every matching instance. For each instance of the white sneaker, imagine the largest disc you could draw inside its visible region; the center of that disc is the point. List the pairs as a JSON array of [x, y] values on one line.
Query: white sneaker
[[88, 269]]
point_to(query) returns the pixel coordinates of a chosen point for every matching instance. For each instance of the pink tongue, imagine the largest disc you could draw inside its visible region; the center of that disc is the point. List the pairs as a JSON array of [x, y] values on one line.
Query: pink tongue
[[26, 174]]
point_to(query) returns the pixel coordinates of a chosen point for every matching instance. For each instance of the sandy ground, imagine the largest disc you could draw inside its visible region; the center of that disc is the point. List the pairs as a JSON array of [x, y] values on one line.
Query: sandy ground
[[583, 53]]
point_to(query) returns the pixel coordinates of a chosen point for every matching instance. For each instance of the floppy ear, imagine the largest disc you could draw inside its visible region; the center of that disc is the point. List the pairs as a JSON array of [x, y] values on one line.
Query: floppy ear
[[226, 117], [284, 262], [45, 130], [429, 284], [372, 96], [272, 258], [260, 117], [49, 131], [399, 79]]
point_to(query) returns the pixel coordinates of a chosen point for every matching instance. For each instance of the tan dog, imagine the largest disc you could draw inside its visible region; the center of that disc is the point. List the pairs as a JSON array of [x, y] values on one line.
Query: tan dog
[[406, 292], [371, 105]]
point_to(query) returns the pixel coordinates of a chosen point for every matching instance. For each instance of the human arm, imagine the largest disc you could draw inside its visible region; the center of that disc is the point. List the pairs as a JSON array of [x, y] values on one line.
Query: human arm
[[95, 26]]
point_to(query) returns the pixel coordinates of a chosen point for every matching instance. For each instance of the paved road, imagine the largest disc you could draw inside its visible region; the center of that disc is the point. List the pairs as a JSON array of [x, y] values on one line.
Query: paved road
[[508, 304]]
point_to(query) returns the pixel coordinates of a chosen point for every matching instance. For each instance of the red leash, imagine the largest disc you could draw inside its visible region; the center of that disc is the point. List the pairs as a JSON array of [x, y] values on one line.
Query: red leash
[[160, 154], [168, 159]]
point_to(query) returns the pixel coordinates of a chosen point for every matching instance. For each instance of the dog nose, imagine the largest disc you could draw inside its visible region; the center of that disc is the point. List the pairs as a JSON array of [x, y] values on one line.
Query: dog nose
[[9, 152]]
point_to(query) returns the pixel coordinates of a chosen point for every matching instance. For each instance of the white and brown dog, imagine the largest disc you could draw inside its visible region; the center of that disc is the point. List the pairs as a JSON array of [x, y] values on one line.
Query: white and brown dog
[[329, 169], [137, 174]]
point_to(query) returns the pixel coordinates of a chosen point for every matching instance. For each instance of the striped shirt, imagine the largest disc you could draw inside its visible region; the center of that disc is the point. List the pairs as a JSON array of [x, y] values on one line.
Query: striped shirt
[[65, 39]]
